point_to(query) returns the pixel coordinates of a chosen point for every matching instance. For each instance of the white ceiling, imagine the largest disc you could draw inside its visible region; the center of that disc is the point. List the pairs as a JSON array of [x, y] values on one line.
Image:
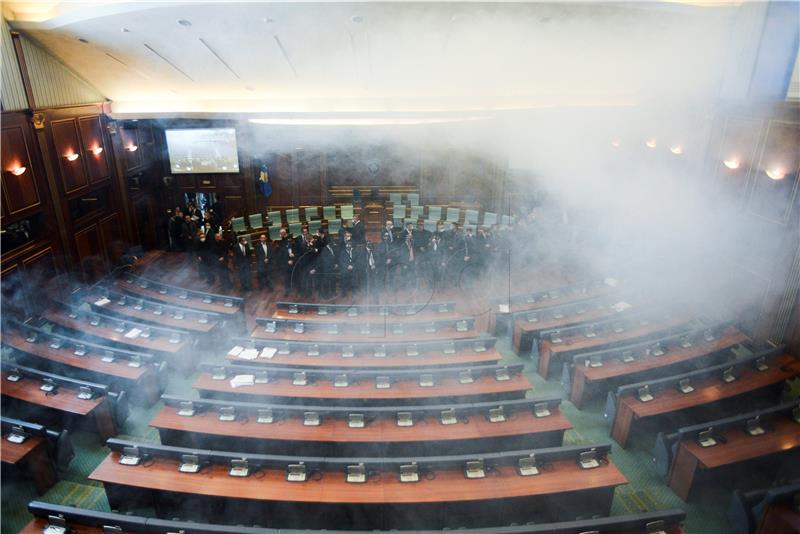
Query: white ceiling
[[382, 57]]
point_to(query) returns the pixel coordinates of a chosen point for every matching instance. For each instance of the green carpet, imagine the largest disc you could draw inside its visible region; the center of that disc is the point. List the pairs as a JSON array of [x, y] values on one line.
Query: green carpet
[[646, 491]]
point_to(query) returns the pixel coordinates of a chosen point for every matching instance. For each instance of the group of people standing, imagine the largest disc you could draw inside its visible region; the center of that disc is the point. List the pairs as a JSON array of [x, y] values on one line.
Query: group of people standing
[[323, 265]]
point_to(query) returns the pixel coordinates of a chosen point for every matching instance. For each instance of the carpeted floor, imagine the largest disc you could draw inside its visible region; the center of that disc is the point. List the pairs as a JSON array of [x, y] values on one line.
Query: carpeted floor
[[646, 491]]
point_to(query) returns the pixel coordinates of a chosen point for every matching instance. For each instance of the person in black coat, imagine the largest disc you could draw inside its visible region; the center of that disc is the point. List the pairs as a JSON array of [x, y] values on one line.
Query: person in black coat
[[357, 230], [205, 258], [241, 261], [263, 258], [219, 249], [286, 258], [351, 265]]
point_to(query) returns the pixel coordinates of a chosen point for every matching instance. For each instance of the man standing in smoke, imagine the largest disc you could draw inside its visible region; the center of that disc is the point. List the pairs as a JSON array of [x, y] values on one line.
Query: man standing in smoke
[[263, 257]]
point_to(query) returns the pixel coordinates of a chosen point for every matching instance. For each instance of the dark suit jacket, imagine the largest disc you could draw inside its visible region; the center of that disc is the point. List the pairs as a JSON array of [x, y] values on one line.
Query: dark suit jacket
[[261, 255], [240, 259]]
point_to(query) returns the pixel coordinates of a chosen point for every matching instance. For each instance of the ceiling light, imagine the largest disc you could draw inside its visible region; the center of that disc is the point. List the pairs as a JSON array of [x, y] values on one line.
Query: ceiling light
[[676, 149], [732, 163], [776, 174], [268, 20], [615, 143], [358, 19], [651, 143], [249, 88], [185, 23], [72, 157], [131, 148], [19, 170], [364, 121], [97, 150]]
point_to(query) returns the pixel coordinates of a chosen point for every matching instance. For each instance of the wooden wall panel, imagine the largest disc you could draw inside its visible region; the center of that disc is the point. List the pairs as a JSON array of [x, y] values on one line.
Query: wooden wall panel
[[308, 178], [20, 193], [66, 141], [92, 139], [280, 175], [90, 257], [112, 238]]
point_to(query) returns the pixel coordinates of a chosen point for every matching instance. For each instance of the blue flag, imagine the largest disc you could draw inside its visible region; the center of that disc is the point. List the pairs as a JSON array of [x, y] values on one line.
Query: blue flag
[[263, 181]]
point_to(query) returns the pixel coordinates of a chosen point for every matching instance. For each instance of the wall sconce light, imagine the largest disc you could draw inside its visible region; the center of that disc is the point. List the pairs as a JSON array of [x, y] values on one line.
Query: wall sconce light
[[18, 171], [676, 149], [775, 174], [731, 163], [72, 157], [131, 148], [651, 143], [97, 150]]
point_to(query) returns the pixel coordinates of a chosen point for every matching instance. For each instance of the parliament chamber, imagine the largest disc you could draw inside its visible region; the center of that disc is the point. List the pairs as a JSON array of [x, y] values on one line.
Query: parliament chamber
[[276, 267]]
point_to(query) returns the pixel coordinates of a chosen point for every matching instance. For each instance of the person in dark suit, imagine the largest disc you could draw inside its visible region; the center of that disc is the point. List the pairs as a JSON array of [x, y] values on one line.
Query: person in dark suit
[[241, 261], [219, 249], [287, 254], [263, 257], [357, 230], [351, 259], [205, 258]]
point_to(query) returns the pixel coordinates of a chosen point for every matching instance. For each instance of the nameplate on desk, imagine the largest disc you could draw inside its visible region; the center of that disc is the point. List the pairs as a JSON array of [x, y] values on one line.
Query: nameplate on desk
[[80, 350], [497, 415], [133, 333], [706, 438], [299, 379], [108, 356], [409, 472], [265, 416], [158, 310], [313, 350], [475, 469], [55, 343], [348, 351], [644, 394], [130, 456], [527, 467], [341, 381], [186, 409], [32, 337], [203, 319], [296, 472], [17, 435], [356, 420], [685, 385], [190, 463], [356, 474], [239, 468], [405, 419], [383, 382], [448, 416], [541, 409], [101, 302], [588, 460]]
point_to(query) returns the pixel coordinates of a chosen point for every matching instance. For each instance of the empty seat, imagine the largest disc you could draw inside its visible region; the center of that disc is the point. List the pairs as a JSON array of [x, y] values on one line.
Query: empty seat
[[434, 213], [346, 211], [328, 212], [398, 213], [430, 225], [295, 229], [314, 225], [416, 212], [237, 225], [334, 225], [396, 198], [256, 221], [453, 215], [413, 199], [471, 216], [293, 216], [311, 214], [489, 219], [275, 233], [274, 218]]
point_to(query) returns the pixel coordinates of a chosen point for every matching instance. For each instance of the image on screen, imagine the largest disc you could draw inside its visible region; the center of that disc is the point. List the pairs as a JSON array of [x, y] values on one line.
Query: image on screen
[[202, 150]]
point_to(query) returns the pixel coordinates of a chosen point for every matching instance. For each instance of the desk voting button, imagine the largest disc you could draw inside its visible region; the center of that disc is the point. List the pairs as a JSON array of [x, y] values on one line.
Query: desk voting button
[[32, 337], [426, 380], [705, 438], [265, 416], [85, 393], [219, 373], [17, 435], [322, 310], [497, 415], [80, 350], [311, 419], [409, 472], [239, 468], [479, 346], [685, 386], [333, 329], [589, 332], [284, 348], [227, 413], [462, 326], [313, 350], [299, 328], [56, 524], [728, 376], [270, 327], [627, 356], [527, 467], [356, 474], [761, 364], [412, 350], [644, 394], [708, 335], [405, 419], [380, 351], [555, 337], [365, 329], [294, 309], [541, 409], [594, 361], [502, 374], [48, 385], [655, 527], [296, 472], [348, 351], [656, 349], [685, 342], [430, 328], [753, 426], [533, 317], [475, 469], [352, 312], [449, 347], [14, 375], [300, 379], [465, 377], [341, 380], [186, 409], [448, 416], [588, 459], [383, 382], [397, 329], [207, 300], [108, 356], [56, 343], [356, 420], [190, 463], [130, 456]]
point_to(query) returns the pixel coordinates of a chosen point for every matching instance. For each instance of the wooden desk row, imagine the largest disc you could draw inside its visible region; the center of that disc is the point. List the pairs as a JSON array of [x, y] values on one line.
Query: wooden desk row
[[377, 387], [458, 352], [114, 302], [361, 431], [137, 372], [435, 492], [558, 346], [356, 313], [504, 307], [377, 332], [172, 345], [588, 369], [92, 522], [104, 411], [39, 452], [529, 325], [199, 300], [676, 393], [716, 444], [769, 511]]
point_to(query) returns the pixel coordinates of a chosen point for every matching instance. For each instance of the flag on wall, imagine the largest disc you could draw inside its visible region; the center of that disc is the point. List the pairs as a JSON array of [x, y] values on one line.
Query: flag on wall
[[263, 181]]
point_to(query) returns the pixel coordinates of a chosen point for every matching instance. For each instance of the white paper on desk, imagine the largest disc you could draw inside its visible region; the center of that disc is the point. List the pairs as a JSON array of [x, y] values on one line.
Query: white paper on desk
[[612, 282], [268, 352], [248, 354], [235, 350], [621, 306], [503, 308], [133, 333], [102, 302], [243, 380]]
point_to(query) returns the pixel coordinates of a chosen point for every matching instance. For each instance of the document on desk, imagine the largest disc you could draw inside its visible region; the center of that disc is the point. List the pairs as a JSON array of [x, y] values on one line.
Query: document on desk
[[102, 302], [243, 380], [504, 308], [268, 352], [133, 333], [621, 306], [235, 350], [248, 354]]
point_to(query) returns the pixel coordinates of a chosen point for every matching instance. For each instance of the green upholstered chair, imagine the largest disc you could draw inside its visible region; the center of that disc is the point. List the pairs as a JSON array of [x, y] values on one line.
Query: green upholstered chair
[[295, 229], [346, 211], [275, 233], [471, 216], [293, 216], [489, 218], [274, 218], [328, 212], [256, 220], [314, 225], [334, 225], [453, 215], [311, 213], [434, 213], [237, 225], [413, 199], [396, 198], [416, 211]]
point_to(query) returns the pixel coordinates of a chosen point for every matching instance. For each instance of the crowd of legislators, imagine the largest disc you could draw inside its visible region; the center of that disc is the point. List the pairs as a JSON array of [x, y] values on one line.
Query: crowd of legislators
[[320, 265]]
